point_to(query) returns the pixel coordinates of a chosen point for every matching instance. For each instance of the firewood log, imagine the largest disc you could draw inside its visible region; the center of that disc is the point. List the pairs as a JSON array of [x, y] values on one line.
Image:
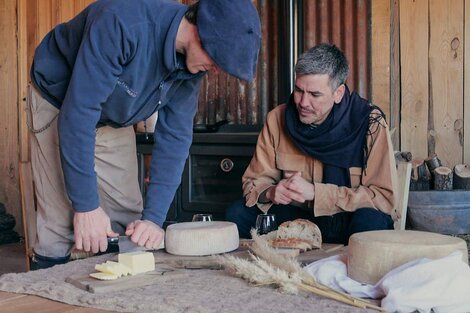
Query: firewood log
[[462, 176], [433, 162], [443, 178], [403, 156], [420, 175]]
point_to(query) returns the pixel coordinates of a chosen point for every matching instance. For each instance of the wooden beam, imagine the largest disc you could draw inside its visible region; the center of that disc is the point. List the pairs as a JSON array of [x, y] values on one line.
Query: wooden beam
[[23, 77], [446, 41], [28, 207], [466, 91], [9, 151], [395, 81], [380, 80], [414, 31], [45, 17]]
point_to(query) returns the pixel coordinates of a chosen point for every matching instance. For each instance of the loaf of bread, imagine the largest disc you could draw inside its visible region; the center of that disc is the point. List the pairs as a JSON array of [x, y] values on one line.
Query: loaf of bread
[[297, 234]]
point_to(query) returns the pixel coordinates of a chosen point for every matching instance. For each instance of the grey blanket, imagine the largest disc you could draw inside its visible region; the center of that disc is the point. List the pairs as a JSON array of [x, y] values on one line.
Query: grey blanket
[[188, 291]]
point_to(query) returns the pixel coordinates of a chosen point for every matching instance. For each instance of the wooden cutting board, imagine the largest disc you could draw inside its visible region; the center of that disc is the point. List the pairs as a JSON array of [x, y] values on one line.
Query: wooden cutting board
[[93, 285], [168, 264]]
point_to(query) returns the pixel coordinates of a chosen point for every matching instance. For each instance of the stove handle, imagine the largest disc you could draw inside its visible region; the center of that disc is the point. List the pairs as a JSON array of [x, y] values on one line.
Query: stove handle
[[226, 165]]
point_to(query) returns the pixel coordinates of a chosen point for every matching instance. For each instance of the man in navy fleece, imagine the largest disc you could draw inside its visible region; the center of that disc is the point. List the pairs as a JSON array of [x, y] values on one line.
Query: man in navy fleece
[[113, 65]]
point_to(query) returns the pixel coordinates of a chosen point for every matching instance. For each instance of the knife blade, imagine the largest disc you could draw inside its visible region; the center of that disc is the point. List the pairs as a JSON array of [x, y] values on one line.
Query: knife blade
[[124, 244]]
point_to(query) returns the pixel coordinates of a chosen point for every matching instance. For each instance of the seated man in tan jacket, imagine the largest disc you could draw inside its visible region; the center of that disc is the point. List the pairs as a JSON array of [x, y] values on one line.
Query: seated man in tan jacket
[[325, 156]]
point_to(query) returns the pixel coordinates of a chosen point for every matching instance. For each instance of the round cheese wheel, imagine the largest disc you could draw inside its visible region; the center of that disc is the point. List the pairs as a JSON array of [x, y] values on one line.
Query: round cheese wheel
[[373, 254], [201, 238]]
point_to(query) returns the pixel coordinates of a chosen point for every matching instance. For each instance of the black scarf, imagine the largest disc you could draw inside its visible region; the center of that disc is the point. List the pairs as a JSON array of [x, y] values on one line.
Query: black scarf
[[339, 142]]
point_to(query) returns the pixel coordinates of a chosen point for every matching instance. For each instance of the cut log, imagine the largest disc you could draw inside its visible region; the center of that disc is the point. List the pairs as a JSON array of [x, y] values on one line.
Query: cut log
[[433, 162], [443, 178], [403, 156], [462, 176], [420, 176]]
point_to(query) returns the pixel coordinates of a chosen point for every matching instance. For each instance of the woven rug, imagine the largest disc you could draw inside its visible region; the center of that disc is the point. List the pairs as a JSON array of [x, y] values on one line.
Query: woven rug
[[188, 291]]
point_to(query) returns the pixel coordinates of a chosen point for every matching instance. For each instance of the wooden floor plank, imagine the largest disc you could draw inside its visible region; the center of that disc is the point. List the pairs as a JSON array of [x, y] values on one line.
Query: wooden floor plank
[[5, 296], [19, 303], [87, 310]]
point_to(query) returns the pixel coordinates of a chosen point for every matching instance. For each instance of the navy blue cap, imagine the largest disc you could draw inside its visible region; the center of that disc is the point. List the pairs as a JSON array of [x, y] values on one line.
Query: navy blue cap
[[230, 32]]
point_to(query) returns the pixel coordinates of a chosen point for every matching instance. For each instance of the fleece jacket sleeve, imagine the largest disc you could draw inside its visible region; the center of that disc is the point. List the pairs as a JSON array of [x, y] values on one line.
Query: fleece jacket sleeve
[[173, 137]]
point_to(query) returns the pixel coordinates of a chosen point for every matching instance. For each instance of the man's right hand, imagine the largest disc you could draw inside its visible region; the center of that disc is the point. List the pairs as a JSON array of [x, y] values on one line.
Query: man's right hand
[[91, 230], [281, 194], [292, 188]]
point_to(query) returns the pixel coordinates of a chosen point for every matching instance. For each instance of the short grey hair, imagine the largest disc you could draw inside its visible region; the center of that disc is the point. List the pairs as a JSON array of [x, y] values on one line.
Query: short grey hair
[[324, 59]]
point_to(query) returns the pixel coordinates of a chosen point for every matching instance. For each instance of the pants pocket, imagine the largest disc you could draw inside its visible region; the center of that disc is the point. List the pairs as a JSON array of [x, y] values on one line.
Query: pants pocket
[[40, 113]]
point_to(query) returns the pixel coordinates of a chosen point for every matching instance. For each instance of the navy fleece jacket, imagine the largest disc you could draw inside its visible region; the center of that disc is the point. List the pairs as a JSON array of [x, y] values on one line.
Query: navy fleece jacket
[[115, 64]]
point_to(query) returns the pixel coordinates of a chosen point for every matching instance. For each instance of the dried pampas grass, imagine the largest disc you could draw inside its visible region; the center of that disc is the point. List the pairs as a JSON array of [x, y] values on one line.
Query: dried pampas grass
[[270, 268]]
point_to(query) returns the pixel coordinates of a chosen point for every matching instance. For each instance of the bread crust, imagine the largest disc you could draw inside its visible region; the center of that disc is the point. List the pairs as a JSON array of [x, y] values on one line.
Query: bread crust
[[291, 243], [299, 234]]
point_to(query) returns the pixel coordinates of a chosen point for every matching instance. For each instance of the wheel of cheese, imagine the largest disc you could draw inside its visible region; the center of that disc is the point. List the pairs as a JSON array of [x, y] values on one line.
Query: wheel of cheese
[[201, 238], [373, 254]]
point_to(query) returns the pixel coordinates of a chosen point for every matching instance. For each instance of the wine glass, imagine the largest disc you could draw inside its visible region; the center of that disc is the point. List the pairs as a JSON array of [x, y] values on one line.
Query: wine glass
[[202, 218], [265, 223]]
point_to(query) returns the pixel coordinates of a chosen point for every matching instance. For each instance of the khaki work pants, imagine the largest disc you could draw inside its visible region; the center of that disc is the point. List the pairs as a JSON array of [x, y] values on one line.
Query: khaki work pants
[[116, 171]]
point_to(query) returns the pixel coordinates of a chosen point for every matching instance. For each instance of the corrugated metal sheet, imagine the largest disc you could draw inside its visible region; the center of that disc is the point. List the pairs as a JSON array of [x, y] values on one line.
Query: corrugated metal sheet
[[346, 24], [343, 22], [225, 97]]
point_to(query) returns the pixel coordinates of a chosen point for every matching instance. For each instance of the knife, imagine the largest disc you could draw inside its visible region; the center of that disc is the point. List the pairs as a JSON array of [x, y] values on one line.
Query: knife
[[124, 244]]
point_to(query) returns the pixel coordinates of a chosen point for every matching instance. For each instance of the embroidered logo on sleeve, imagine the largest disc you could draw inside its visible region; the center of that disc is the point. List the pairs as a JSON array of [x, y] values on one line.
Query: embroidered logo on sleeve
[[126, 87]]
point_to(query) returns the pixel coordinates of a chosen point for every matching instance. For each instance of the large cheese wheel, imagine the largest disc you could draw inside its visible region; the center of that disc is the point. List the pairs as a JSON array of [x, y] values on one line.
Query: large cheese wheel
[[373, 254], [201, 238]]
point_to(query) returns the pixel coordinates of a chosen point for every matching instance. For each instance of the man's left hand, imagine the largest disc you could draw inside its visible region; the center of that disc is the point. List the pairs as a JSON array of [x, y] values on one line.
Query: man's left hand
[[298, 184], [145, 233]]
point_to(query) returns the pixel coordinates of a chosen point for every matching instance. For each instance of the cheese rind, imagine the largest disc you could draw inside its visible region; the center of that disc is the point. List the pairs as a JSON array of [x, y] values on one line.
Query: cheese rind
[[201, 238], [137, 262], [373, 254]]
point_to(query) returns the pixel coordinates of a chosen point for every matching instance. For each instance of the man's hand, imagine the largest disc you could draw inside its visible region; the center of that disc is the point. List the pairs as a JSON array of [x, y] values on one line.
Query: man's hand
[[300, 186], [91, 230], [281, 194], [145, 233], [293, 188]]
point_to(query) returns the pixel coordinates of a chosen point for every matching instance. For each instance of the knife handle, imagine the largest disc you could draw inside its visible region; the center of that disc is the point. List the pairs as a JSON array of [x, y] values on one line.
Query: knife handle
[[113, 240], [113, 246]]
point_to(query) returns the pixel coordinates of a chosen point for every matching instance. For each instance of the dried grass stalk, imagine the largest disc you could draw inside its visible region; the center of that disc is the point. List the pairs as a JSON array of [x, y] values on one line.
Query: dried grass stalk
[[245, 269], [270, 268], [262, 249]]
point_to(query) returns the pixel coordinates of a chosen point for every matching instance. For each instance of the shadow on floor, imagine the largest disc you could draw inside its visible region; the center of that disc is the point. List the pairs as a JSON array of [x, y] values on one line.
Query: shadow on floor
[[12, 258]]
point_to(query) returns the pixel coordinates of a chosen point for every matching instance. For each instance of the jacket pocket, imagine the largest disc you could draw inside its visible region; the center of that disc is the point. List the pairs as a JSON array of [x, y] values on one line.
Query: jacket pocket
[[355, 173]]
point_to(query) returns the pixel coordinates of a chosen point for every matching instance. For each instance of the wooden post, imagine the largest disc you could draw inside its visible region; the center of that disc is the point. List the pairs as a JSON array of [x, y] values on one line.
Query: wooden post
[[420, 176], [443, 178], [462, 177], [28, 206]]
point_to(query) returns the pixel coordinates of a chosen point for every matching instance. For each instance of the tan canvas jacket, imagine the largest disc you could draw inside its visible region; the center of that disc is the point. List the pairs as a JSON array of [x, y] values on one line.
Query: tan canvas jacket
[[276, 155]]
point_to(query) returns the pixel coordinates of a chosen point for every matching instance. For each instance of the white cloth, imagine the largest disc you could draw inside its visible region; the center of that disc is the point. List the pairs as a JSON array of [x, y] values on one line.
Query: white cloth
[[442, 285]]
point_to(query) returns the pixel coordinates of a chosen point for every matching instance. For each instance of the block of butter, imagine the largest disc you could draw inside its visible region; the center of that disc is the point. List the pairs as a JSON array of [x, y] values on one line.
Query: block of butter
[[137, 262], [104, 276], [114, 268]]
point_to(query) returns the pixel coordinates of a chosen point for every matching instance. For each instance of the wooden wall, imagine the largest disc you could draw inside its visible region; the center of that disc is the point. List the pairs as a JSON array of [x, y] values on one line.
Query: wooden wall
[[418, 69], [9, 180], [23, 23], [426, 89]]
